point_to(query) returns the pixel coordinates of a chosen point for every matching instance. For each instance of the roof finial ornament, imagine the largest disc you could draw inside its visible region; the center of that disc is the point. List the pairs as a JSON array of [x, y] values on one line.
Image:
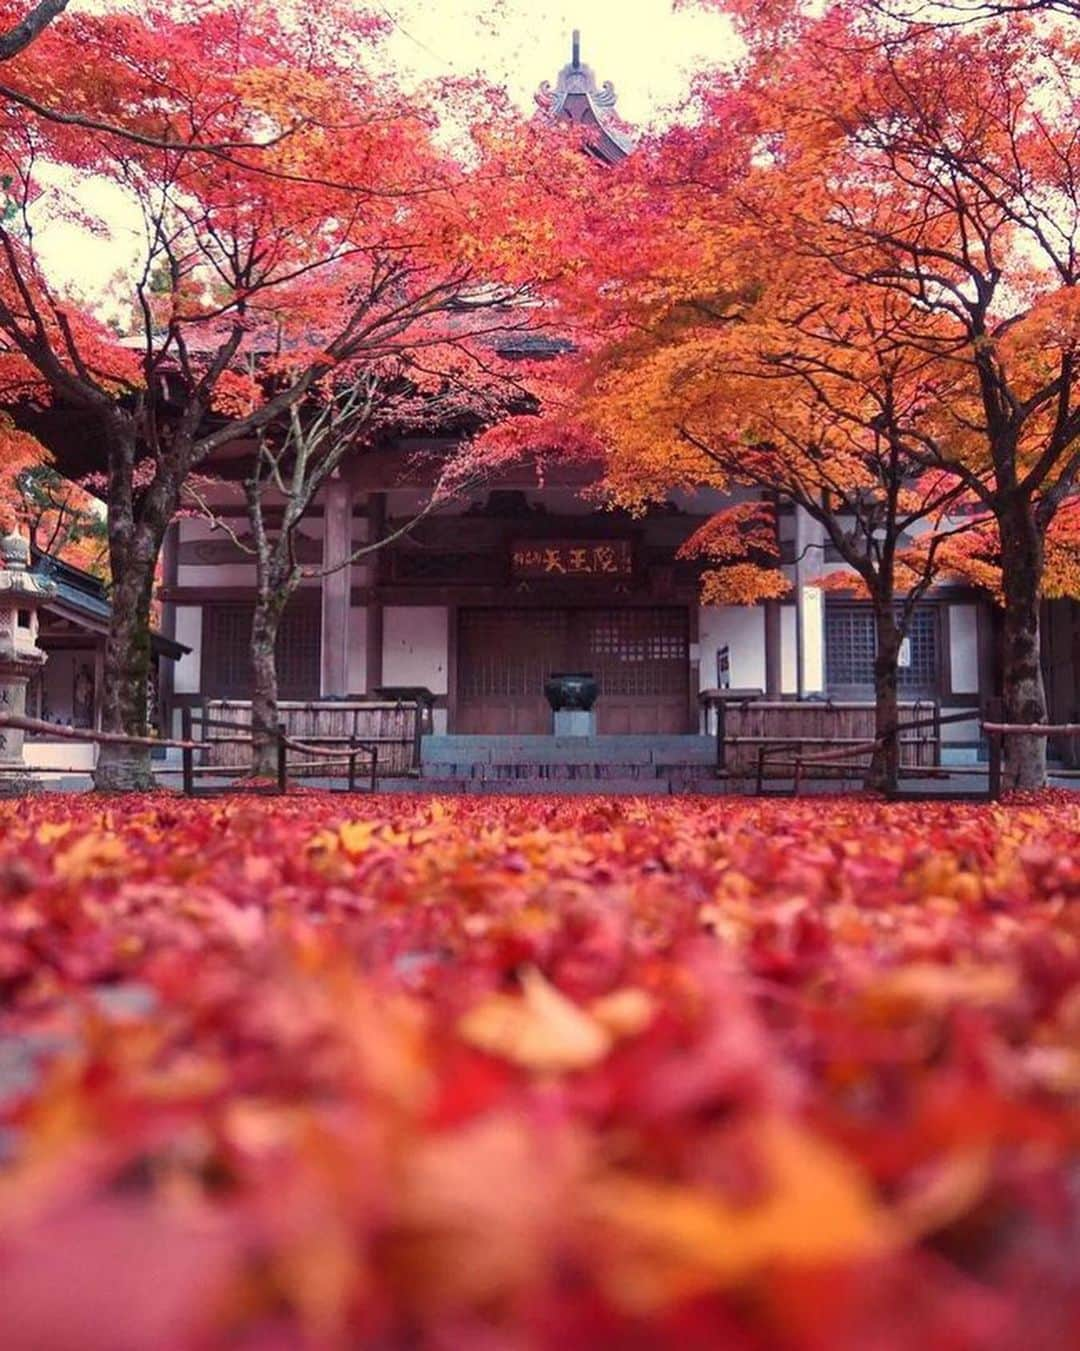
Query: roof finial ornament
[[579, 99]]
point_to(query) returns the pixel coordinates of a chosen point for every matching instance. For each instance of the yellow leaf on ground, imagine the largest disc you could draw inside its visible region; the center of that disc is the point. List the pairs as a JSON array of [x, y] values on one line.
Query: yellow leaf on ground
[[540, 1029], [927, 985], [90, 856], [52, 830], [624, 1013], [668, 1240], [356, 836]]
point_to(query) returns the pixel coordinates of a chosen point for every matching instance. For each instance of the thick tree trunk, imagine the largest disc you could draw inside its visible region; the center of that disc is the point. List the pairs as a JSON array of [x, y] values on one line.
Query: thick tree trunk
[[126, 672], [1023, 691], [264, 693], [137, 523], [883, 774]]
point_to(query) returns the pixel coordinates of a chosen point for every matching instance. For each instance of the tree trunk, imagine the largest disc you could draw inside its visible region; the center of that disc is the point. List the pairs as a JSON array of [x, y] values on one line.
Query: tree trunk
[[883, 774], [264, 692], [137, 521], [1023, 691], [126, 672]]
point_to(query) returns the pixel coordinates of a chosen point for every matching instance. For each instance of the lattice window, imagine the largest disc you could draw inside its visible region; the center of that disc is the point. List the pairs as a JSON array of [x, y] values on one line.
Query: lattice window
[[510, 652], [634, 651], [638, 651], [851, 644], [226, 651]]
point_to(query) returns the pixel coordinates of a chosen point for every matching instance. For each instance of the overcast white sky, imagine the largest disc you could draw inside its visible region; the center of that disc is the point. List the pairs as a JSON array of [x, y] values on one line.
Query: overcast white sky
[[645, 47]]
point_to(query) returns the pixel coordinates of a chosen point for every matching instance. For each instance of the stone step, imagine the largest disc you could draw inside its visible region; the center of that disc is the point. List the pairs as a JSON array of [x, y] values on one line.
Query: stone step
[[544, 772], [572, 788], [567, 773], [702, 788], [446, 785], [510, 750]]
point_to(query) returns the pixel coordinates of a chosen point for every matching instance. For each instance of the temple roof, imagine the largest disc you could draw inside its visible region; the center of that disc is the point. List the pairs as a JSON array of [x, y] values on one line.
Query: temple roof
[[82, 599], [577, 98]]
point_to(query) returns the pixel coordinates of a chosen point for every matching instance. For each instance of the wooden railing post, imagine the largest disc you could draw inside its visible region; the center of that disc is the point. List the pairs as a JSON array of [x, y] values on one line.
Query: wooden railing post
[[995, 713], [721, 735], [282, 760], [187, 755]]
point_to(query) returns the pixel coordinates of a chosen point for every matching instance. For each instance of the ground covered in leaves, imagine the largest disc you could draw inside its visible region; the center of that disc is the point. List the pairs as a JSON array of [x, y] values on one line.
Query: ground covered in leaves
[[497, 1075]]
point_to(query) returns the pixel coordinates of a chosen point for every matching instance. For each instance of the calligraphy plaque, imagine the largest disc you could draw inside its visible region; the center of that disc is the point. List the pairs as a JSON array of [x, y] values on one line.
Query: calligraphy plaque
[[572, 558]]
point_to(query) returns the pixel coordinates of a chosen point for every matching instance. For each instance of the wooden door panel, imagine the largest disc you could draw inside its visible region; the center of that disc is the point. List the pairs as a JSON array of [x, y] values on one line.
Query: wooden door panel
[[662, 715], [639, 655]]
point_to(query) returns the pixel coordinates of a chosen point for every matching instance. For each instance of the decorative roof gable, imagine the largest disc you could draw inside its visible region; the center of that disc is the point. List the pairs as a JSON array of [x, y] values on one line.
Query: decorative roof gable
[[577, 98]]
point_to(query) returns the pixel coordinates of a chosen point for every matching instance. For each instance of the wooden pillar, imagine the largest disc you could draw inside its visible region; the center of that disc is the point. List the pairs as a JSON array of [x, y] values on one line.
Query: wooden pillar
[[373, 647], [773, 666], [337, 546]]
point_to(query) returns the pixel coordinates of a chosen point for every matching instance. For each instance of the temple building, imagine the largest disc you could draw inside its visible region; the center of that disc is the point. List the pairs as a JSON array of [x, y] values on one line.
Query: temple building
[[482, 602]]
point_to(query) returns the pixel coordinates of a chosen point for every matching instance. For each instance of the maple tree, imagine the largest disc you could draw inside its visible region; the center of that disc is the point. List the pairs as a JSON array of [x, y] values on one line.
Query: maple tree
[[292, 465], [28, 27], [62, 518], [350, 241], [404, 1072], [925, 177], [804, 395]]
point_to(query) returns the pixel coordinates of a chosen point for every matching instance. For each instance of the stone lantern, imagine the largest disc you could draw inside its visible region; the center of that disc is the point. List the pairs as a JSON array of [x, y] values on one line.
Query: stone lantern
[[21, 593]]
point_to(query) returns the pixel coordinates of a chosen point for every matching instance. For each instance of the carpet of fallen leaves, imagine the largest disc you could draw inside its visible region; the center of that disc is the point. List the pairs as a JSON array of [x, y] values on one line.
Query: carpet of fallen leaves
[[509, 1075]]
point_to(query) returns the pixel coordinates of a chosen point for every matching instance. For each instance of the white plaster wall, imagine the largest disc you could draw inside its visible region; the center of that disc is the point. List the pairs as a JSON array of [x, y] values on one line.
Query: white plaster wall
[[415, 646], [189, 632], [742, 628], [60, 755], [813, 639], [964, 649]]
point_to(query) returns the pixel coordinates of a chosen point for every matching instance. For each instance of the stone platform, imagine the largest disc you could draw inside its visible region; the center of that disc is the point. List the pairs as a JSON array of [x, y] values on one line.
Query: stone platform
[[649, 765]]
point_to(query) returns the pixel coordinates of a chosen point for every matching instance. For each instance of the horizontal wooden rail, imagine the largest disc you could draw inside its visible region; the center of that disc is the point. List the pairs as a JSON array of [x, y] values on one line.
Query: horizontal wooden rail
[[1032, 728], [89, 734]]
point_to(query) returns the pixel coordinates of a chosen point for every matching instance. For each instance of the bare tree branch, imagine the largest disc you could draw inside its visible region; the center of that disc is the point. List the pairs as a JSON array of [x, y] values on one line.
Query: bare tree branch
[[21, 35]]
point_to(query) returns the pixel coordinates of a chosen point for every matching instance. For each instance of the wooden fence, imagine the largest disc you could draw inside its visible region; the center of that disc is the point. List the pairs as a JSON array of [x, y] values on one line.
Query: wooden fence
[[744, 727], [393, 727]]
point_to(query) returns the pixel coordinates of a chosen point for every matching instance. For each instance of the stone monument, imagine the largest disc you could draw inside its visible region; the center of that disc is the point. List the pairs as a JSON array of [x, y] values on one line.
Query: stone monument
[[21, 592]]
